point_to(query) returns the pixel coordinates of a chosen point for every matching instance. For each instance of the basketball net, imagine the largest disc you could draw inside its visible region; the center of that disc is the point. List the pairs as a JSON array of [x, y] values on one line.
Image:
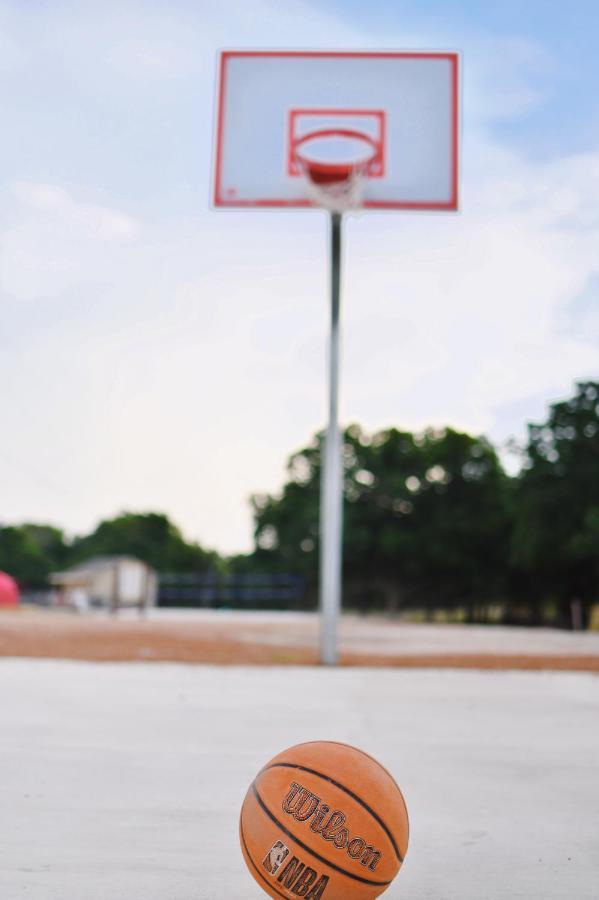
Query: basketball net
[[341, 194], [336, 186]]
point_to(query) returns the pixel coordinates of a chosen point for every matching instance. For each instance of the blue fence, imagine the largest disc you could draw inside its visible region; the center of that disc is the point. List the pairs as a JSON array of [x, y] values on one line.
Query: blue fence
[[214, 591]]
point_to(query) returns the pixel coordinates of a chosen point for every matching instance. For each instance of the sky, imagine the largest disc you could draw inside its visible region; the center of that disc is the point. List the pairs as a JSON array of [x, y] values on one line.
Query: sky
[[158, 355]]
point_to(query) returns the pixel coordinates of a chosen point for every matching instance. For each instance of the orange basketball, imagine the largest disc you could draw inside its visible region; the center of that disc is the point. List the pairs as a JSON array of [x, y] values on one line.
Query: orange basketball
[[324, 820]]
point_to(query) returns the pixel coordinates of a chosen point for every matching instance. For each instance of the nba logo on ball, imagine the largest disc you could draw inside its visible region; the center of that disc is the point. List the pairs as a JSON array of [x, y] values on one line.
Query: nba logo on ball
[[275, 858], [324, 820]]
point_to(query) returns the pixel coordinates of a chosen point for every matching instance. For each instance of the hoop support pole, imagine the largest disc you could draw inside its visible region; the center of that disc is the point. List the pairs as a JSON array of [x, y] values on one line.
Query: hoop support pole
[[331, 497]]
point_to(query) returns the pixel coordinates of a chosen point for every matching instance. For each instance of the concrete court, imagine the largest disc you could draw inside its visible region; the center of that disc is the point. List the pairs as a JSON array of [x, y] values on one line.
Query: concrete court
[[124, 781], [384, 636]]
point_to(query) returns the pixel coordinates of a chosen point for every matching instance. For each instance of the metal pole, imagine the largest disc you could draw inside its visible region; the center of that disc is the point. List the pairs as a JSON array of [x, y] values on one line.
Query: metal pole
[[331, 496]]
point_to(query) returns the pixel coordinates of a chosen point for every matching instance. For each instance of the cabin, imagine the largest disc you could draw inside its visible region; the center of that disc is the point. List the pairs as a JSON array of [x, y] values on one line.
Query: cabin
[[106, 582]]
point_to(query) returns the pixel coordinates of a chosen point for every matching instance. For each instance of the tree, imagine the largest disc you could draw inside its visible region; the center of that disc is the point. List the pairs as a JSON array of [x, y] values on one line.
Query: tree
[[151, 537], [555, 548], [286, 528], [30, 552], [50, 541], [427, 518]]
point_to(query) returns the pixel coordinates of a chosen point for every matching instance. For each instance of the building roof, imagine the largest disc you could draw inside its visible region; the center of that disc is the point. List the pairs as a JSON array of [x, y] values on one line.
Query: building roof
[[78, 574]]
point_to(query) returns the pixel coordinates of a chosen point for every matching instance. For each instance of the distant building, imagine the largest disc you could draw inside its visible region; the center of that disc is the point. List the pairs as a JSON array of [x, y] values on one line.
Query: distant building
[[106, 582], [9, 591]]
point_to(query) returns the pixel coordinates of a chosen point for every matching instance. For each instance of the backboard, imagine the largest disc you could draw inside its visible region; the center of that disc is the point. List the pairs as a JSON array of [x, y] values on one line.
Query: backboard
[[398, 111]]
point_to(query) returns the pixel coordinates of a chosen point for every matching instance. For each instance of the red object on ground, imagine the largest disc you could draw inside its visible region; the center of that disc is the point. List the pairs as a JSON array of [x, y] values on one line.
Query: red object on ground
[[9, 591]]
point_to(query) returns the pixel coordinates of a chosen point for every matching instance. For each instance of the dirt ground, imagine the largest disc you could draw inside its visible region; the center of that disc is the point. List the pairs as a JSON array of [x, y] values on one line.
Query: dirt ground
[[286, 639]]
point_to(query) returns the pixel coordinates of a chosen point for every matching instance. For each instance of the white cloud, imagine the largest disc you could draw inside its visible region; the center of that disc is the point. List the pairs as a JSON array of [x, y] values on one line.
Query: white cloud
[[98, 221], [504, 78], [42, 196], [57, 242], [485, 291]]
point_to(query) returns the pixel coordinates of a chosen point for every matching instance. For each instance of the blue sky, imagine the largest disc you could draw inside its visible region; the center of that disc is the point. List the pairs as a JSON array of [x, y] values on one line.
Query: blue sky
[[155, 354]]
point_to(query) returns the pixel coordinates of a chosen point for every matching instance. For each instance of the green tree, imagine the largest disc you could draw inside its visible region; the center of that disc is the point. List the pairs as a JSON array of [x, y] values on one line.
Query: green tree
[[555, 547], [426, 519], [286, 527], [151, 537], [30, 552], [50, 541]]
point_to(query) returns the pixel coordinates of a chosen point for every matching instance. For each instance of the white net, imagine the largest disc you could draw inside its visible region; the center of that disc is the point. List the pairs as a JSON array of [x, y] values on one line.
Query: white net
[[338, 196]]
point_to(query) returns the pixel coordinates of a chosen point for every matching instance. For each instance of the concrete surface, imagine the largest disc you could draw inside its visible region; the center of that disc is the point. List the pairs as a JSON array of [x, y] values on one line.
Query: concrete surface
[[250, 638], [377, 634], [124, 781]]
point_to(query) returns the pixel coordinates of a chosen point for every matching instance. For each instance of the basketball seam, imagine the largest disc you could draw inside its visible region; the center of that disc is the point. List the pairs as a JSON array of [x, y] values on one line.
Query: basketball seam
[[310, 850], [387, 772], [357, 750], [346, 790], [272, 887], [381, 766]]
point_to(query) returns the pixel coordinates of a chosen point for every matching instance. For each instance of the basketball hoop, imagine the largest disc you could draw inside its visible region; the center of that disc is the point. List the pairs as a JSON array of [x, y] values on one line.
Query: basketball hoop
[[343, 131], [335, 162]]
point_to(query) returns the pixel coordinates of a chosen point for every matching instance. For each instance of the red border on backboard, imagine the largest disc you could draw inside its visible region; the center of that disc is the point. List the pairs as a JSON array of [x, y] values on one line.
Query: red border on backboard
[[294, 169], [451, 57]]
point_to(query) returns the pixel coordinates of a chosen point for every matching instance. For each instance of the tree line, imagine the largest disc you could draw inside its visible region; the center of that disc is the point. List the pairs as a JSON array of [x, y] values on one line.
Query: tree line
[[432, 522], [30, 552]]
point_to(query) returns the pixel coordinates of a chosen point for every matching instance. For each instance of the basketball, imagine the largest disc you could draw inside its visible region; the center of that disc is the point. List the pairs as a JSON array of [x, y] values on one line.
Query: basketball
[[324, 819]]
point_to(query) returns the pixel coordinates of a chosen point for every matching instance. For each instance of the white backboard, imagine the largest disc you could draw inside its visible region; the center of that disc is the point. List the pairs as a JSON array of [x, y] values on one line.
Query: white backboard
[[408, 102]]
